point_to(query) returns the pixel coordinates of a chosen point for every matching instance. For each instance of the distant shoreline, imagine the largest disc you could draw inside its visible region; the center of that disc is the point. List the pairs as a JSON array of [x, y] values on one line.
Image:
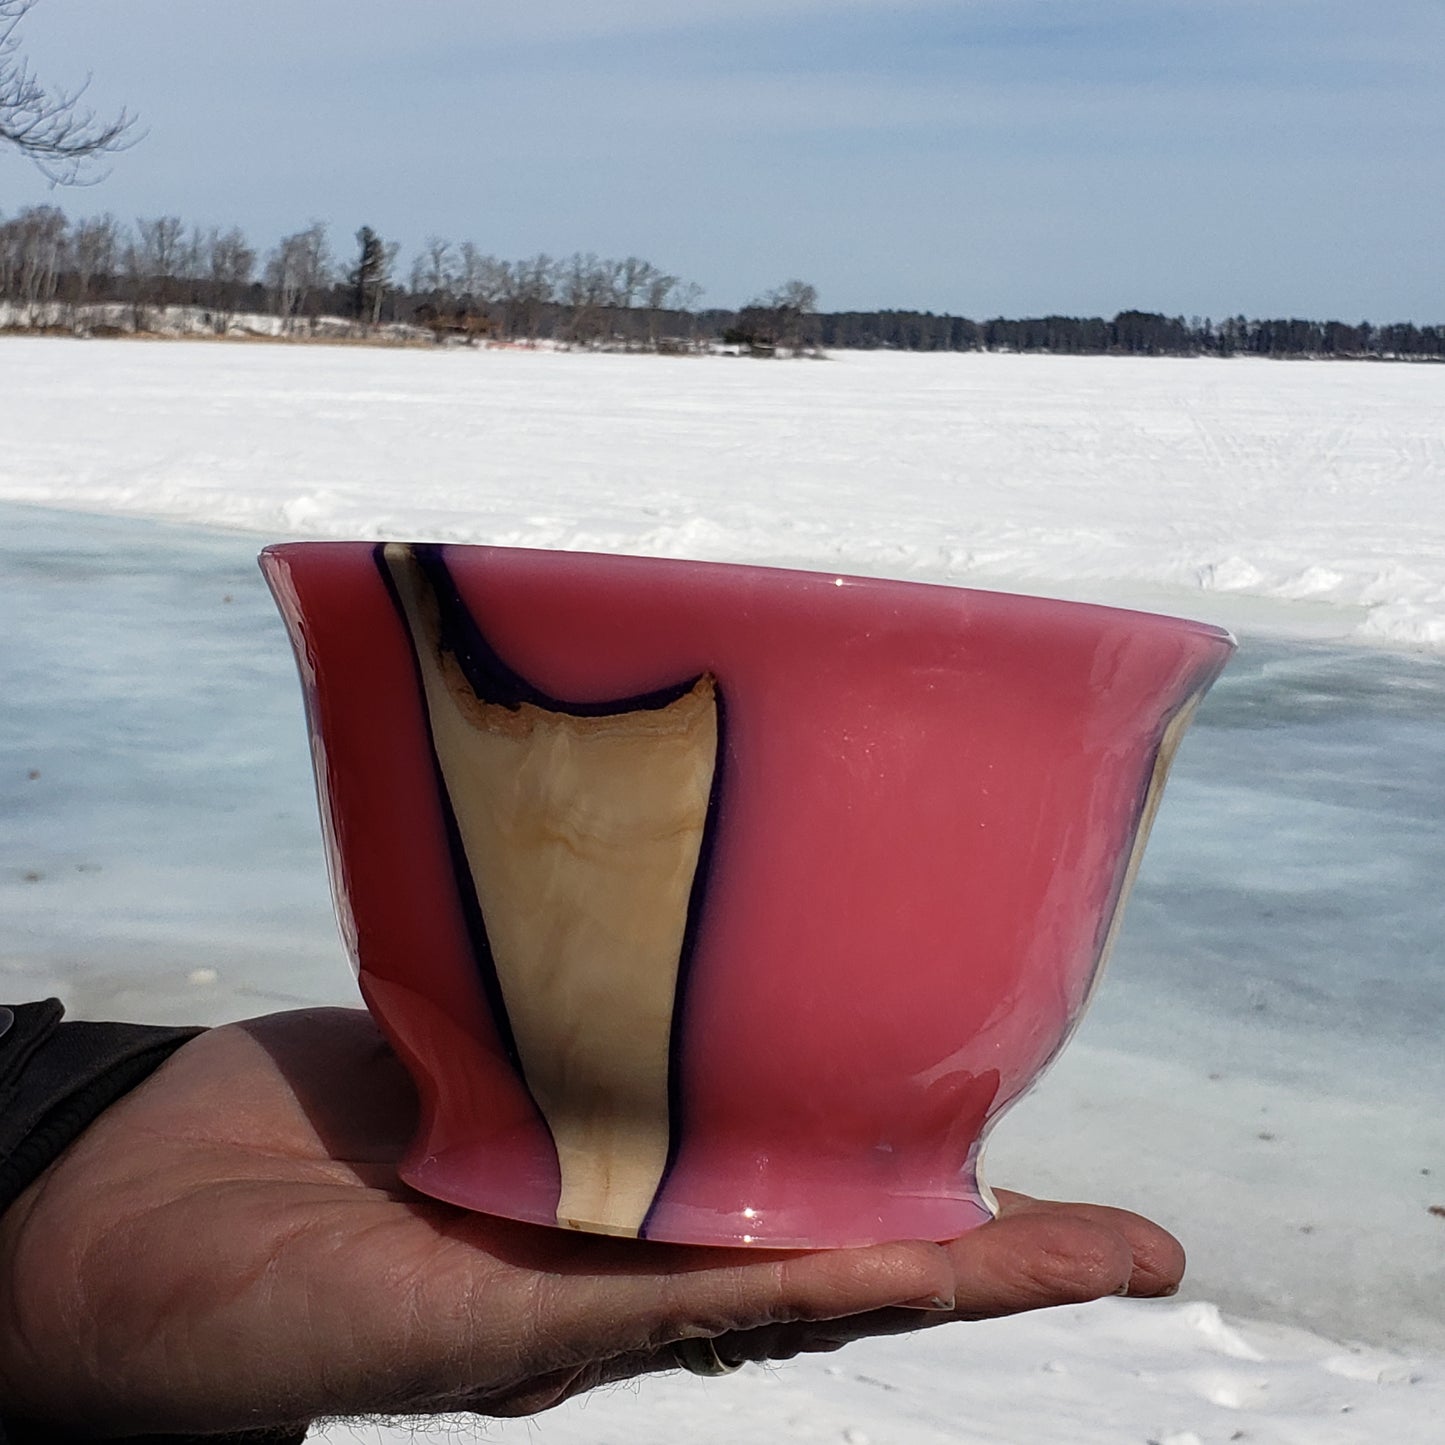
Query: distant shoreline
[[197, 324]]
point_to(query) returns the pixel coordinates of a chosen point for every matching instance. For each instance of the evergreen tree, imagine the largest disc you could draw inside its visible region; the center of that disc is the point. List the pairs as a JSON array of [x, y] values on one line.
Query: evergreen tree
[[368, 279]]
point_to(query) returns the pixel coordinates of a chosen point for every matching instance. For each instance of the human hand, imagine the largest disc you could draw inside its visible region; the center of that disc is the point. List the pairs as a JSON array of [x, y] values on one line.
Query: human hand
[[229, 1248]]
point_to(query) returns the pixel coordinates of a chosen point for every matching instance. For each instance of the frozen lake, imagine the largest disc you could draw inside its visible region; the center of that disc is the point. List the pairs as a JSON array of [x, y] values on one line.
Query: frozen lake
[[1261, 1070], [1303, 494]]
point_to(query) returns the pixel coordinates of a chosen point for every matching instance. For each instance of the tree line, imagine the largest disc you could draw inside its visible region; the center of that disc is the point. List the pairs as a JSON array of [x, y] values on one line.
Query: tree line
[[61, 272], [97, 273], [1132, 333]]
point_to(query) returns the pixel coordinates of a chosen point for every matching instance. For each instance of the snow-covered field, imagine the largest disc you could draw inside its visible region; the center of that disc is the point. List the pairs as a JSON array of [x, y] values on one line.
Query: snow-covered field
[[1262, 1070], [1309, 483]]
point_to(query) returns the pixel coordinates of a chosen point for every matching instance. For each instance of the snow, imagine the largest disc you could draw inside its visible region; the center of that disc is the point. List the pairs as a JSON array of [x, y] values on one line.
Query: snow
[[1303, 483], [1111, 1373], [1262, 1070]]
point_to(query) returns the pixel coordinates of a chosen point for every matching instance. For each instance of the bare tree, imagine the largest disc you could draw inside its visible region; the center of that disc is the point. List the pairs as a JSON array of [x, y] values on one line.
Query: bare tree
[[32, 251], [784, 319], [634, 280], [134, 288], [796, 296], [94, 244], [529, 286], [438, 273], [298, 268], [473, 271], [230, 263], [481, 278], [634, 276], [51, 127], [192, 269], [480, 274], [586, 286], [685, 298], [159, 258], [658, 288]]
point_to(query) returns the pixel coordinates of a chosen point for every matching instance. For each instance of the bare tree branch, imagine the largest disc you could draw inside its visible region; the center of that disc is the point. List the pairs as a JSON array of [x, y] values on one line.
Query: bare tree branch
[[51, 127]]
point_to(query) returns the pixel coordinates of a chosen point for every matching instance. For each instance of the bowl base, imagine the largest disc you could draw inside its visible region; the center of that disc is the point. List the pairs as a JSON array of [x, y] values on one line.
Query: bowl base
[[822, 1218]]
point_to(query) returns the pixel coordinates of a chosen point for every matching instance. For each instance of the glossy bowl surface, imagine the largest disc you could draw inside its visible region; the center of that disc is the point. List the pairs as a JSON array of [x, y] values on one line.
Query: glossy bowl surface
[[722, 904]]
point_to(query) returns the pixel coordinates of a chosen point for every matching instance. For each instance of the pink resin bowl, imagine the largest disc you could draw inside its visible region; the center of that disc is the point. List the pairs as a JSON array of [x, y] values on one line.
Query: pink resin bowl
[[719, 904]]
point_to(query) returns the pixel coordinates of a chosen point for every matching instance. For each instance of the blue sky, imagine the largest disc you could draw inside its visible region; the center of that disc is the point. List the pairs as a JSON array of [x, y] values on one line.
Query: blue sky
[[1275, 157]]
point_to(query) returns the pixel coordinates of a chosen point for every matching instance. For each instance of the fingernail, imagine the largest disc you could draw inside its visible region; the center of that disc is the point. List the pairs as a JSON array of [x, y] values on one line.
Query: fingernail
[[1123, 1288], [928, 1302]]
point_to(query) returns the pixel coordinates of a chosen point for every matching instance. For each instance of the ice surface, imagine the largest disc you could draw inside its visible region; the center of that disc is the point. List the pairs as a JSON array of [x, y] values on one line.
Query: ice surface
[[1262, 1068], [156, 803], [1265, 1054]]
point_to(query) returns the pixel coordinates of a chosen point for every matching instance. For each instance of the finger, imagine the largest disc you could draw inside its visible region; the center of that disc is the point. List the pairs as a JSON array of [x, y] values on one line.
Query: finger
[[1159, 1259], [1035, 1259], [692, 1293], [755, 1293], [1035, 1255]]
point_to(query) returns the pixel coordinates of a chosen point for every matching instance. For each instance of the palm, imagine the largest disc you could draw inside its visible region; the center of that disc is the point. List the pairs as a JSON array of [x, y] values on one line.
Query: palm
[[232, 1247]]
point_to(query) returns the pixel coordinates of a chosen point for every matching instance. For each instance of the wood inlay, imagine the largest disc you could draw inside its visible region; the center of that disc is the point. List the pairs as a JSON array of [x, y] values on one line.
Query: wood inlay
[[581, 833]]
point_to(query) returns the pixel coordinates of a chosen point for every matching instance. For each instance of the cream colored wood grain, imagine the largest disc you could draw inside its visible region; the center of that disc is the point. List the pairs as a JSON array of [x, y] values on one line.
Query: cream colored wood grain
[[582, 835]]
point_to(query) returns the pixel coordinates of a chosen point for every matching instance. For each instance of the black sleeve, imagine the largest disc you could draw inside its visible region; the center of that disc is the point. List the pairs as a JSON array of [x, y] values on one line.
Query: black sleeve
[[55, 1079], [16, 1433]]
